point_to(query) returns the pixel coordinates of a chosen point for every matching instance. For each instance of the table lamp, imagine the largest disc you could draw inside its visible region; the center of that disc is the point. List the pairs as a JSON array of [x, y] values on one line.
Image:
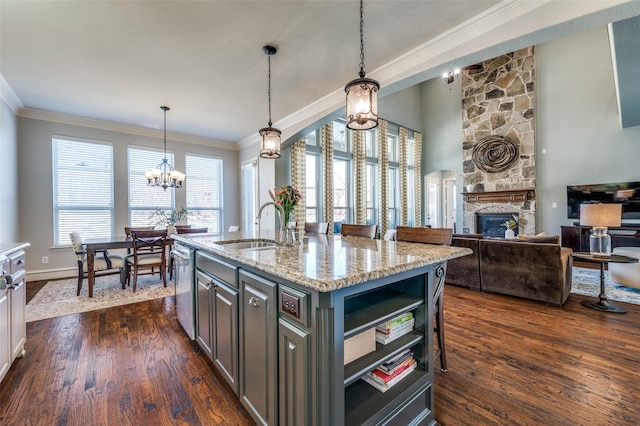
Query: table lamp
[[600, 216]]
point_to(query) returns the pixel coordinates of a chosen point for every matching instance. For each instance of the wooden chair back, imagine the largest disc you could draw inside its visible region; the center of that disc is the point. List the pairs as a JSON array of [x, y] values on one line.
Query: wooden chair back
[[316, 227], [367, 231], [146, 242], [440, 236], [192, 230], [128, 229]]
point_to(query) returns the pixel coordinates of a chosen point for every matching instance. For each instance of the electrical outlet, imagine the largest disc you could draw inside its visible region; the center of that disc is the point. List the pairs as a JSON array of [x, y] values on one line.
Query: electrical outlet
[[45, 260]]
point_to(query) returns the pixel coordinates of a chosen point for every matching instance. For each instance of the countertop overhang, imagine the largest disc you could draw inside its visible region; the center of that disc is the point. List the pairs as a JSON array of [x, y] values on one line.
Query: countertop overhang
[[325, 262]]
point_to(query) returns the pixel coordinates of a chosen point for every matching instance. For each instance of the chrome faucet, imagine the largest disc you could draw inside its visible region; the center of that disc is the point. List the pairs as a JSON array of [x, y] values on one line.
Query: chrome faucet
[[289, 237]]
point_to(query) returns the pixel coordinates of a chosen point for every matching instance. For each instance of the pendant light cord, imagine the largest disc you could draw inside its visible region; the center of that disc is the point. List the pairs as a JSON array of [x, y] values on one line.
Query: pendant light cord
[[362, 74], [269, 91]]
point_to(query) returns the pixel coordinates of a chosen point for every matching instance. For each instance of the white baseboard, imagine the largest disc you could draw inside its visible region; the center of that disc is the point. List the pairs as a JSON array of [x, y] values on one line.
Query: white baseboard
[[52, 274]]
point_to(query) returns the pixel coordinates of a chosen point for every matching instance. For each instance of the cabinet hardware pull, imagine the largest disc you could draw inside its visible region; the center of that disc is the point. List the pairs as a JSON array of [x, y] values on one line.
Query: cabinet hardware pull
[[254, 302]]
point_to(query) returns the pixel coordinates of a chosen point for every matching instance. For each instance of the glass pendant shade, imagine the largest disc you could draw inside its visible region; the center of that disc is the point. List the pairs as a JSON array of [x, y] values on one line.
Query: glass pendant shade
[[362, 103], [269, 142]]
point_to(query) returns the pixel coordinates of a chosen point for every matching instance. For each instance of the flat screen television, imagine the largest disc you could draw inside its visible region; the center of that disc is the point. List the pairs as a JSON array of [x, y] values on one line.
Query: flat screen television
[[625, 193]]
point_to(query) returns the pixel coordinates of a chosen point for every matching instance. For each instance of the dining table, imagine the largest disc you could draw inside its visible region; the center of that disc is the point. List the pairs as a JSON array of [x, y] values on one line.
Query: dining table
[[93, 245]]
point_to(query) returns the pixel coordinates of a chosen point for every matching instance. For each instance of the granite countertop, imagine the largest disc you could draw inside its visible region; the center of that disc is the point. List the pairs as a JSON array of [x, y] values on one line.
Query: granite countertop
[[325, 262], [7, 248]]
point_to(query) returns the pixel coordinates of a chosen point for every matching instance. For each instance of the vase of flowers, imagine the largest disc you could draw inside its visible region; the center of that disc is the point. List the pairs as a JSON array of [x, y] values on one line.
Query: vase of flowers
[[168, 218], [286, 197], [512, 224]]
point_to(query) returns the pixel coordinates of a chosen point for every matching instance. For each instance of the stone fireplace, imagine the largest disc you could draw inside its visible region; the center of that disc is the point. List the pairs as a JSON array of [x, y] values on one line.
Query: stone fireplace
[[498, 128], [489, 224]]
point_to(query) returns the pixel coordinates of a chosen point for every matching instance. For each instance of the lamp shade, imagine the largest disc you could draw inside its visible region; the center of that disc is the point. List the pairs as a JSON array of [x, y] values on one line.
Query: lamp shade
[[601, 215]]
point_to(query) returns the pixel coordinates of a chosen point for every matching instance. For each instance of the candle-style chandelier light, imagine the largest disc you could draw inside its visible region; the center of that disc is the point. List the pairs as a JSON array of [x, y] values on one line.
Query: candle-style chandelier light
[[164, 174], [362, 94]]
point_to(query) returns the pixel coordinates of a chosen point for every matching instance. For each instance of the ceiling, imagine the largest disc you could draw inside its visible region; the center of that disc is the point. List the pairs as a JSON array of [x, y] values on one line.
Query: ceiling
[[119, 61]]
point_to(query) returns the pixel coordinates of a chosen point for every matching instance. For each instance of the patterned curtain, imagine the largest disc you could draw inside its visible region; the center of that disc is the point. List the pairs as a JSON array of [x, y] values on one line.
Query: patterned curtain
[[327, 173], [404, 208], [383, 172], [298, 175], [417, 161], [360, 169]]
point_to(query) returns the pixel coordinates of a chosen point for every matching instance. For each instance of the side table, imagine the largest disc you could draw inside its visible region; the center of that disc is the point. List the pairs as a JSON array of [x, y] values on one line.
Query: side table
[[603, 304]]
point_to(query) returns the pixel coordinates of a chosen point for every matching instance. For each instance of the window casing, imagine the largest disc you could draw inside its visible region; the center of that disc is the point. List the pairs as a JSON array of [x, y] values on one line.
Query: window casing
[[82, 189], [204, 192], [143, 199]]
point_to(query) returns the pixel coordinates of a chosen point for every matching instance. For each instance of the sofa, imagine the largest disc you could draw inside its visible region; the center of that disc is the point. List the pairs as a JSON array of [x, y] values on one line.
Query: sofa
[[535, 268]]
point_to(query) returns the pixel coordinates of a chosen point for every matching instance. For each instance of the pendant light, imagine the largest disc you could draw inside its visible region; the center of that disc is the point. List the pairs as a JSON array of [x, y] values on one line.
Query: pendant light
[[164, 174], [270, 137], [362, 94]]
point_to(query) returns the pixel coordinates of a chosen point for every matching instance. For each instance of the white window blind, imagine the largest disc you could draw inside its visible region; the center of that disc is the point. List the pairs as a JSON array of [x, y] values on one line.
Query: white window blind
[[82, 189], [144, 199], [249, 196], [204, 192]]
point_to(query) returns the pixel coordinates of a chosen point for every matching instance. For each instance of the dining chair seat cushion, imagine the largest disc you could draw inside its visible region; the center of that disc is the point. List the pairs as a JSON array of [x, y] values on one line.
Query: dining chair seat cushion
[[100, 263], [147, 259]]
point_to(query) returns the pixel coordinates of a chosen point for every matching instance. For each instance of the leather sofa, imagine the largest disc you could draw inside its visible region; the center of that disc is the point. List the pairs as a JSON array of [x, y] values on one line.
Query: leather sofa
[[534, 268]]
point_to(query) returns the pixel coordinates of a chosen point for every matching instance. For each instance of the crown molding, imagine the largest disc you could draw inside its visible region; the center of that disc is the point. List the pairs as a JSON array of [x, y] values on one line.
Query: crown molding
[[122, 128], [9, 96]]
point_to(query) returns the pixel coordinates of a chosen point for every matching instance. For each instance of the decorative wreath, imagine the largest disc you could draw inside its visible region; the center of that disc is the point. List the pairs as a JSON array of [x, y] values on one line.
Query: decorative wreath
[[495, 154]]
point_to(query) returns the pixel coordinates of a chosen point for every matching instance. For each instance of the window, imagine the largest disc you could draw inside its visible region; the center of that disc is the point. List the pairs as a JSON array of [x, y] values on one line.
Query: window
[[394, 198], [341, 185], [82, 189], [340, 142], [144, 199], [372, 194], [204, 192], [311, 194], [249, 196]]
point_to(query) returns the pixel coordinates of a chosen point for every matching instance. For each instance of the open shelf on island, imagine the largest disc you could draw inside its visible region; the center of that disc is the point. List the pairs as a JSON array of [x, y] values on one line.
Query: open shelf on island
[[362, 399], [369, 309], [355, 369]]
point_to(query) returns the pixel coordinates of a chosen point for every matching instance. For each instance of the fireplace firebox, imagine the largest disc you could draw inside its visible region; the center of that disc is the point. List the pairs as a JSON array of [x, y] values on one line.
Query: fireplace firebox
[[490, 224]]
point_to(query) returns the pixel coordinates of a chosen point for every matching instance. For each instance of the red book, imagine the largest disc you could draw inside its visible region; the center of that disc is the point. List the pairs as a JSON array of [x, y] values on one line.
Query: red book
[[383, 377]]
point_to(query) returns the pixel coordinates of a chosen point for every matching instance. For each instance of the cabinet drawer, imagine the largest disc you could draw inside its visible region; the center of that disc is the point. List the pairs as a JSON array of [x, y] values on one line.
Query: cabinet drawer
[[221, 270], [294, 304], [16, 261]]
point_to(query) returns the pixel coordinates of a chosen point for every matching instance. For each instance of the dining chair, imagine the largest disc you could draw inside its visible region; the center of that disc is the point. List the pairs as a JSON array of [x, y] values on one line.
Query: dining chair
[[316, 227], [367, 231], [390, 235], [103, 264], [148, 253], [439, 236]]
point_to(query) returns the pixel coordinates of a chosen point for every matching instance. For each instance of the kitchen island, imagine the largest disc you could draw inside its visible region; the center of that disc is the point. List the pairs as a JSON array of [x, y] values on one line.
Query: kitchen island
[[278, 322]]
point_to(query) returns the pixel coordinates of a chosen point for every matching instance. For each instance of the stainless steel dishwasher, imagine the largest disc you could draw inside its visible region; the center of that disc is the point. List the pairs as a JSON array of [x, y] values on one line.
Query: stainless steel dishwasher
[[184, 288]]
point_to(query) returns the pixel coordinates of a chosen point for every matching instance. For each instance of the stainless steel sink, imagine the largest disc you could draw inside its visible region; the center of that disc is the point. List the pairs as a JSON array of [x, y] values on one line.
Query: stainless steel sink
[[249, 244]]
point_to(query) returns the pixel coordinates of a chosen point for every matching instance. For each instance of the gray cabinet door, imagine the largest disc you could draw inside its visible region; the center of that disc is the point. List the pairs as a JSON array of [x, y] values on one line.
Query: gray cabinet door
[[203, 311], [294, 374], [225, 332], [258, 357]]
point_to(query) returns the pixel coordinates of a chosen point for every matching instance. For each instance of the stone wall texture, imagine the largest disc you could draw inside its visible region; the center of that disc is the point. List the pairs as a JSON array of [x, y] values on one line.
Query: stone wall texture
[[498, 99]]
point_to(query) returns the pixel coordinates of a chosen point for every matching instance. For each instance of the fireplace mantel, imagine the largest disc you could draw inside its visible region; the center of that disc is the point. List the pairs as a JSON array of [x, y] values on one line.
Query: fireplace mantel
[[499, 196]]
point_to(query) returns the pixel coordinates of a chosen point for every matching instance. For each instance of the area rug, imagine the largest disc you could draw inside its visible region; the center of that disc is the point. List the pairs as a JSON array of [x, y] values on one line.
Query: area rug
[[58, 298], [587, 283]]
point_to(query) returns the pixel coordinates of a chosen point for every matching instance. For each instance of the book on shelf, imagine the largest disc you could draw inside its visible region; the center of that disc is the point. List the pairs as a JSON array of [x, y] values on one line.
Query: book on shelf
[[393, 322], [385, 378], [394, 362], [388, 385], [384, 338], [400, 328]]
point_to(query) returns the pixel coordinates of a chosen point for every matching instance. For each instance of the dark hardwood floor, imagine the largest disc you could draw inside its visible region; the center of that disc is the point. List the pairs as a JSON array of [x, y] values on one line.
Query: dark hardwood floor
[[511, 362]]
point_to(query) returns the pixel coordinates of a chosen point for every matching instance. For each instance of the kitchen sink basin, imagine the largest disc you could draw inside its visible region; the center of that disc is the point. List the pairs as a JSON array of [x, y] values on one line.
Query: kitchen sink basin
[[249, 244]]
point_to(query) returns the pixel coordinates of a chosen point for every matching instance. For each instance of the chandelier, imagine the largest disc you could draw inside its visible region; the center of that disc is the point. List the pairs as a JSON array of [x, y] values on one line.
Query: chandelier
[[362, 94], [164, 174], [270, 136]]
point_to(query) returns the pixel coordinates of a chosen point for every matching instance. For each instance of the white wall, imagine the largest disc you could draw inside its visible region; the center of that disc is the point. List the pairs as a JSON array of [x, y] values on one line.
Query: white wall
[[9, 167], [577, 125], [35, 188]]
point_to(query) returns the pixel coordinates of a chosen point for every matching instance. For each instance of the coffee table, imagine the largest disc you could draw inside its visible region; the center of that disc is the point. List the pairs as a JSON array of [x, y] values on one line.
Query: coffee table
[[603, 304]]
